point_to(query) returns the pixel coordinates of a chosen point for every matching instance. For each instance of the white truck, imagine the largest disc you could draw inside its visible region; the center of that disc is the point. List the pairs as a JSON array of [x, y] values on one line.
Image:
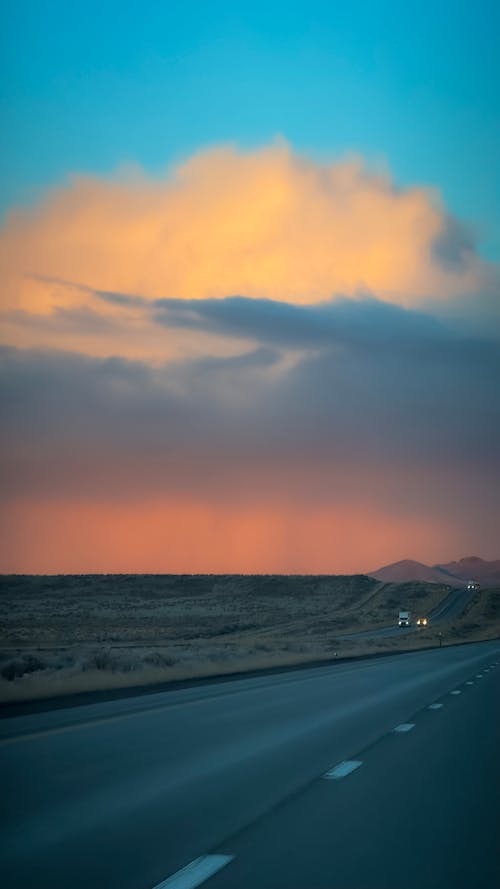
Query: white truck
[[404, 619]]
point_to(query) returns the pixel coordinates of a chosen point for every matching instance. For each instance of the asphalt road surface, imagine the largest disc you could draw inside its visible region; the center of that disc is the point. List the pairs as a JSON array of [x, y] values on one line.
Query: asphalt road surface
[[452, 605], [223, 783]]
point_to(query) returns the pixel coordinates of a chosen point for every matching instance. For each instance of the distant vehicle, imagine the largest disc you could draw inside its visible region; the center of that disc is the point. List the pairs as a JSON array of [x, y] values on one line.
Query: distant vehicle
[[472, 586], [422, 621], [404, 619]]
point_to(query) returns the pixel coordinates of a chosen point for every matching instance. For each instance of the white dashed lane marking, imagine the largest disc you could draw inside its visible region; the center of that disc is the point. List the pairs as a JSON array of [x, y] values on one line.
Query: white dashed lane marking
[[344, 768], [469, 682], [456, 692], [405, 727], [479, 675], [196, 872], [435, 706]]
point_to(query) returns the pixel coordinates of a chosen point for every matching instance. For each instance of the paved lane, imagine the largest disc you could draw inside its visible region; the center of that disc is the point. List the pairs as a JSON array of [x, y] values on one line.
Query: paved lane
[[128, 792], [453, 605], [419, 809]]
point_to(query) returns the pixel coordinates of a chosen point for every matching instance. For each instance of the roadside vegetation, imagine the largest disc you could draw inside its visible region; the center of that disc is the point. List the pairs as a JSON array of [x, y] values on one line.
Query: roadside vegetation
[[78, 633]]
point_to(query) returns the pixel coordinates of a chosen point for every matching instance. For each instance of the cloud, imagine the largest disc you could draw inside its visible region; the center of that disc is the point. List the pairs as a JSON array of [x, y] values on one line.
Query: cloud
[[242, 318], [454, 246], [268, 224], [327, 393], [102, 325], [365, 320], [257, 363]]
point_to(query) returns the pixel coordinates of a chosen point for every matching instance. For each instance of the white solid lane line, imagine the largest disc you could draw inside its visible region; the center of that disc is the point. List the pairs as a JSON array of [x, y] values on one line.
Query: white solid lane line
[[405, 727], [456, 692], [344, 768], [434, 706], [196, 872]]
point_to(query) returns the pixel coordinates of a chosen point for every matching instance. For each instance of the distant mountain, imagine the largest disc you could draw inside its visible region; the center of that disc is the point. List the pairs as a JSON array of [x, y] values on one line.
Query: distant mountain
[[400, 572], [457, 573], [474, 568]]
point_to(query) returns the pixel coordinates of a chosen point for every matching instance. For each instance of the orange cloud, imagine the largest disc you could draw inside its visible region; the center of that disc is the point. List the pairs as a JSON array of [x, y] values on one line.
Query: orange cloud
[[265, 223]]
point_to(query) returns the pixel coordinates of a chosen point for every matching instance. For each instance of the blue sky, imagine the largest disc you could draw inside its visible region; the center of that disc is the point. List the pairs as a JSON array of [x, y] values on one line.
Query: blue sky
[[90, 86]]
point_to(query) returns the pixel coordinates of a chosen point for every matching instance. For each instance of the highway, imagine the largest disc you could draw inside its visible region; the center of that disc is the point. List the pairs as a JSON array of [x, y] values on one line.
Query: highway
[[449, 608], [296, 779], [452, 605]]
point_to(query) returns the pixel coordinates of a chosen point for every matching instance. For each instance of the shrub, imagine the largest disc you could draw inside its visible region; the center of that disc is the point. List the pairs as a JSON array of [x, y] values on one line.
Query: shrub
[[101, 660], [17, 667], [157, 659]]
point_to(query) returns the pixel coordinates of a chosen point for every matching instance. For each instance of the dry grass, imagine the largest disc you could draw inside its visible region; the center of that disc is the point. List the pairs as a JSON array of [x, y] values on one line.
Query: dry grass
[[481, 619], [69, 634]]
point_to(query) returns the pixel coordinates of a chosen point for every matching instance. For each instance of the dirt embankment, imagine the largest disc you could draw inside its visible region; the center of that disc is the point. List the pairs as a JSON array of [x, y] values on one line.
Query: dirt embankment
[[75, 633]]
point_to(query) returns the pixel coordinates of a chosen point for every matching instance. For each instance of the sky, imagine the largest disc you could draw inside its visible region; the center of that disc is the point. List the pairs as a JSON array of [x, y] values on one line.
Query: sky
[[250, 291]]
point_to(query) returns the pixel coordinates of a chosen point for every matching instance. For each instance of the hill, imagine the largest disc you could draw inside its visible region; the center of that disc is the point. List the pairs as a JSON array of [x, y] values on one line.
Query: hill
[[474, 568], [407, 569], [455, 573]]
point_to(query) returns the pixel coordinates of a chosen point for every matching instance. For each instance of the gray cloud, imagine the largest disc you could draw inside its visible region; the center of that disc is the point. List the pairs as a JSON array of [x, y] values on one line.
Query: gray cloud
[[365, 321], [455, 245], [350, 400]]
